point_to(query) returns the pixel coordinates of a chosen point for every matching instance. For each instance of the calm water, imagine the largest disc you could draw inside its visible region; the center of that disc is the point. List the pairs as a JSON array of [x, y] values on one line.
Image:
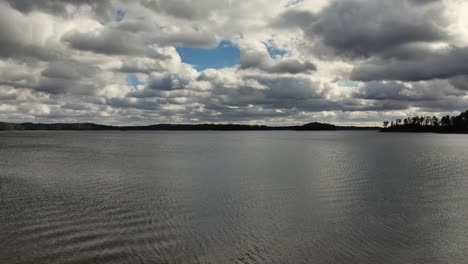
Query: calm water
[[233, 197]]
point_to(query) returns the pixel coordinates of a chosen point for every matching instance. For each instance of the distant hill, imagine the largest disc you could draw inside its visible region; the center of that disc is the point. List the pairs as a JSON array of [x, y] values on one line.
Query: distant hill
[[317, 126], [230, 127], [196, 127], [64, 126]]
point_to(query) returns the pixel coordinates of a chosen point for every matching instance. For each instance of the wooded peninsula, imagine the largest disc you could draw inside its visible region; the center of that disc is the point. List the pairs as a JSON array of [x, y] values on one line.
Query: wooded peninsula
[[446, 124]]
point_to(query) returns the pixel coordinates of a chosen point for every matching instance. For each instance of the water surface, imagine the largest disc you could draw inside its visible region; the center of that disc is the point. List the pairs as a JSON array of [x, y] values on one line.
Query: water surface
[[233, 197]]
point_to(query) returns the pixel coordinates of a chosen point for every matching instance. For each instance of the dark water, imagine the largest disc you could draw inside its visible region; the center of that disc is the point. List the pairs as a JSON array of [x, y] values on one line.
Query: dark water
[[233, 197]]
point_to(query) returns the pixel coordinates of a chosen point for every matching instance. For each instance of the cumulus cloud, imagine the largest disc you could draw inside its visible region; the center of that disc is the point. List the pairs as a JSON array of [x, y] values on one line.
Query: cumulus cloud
[[363, 28], [257, 57], [422, 65], [156, 60], [343, 61], [107, 41], [60, 7], [187, 9]]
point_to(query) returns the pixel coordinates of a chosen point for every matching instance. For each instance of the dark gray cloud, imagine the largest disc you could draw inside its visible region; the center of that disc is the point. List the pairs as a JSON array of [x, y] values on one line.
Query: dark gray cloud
[[187, 38], [460, 82], [187, 9], [70, 77], [364, 28], [134, 39], [25, 52], [400, 91], [269, 92], [108, 41], [69, 70], [135, 66], [253, 95], [144, 103], [168, 82], [292, 66], [427, 95], [422, 65], [59, 7], [393, 36], [260, 59], [295, 18], [18, 43], [422, 2], [56, 6]]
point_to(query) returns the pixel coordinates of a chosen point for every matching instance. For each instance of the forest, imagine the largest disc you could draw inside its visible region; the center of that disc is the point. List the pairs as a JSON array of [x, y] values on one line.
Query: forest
[[445, 124], [315, 126]]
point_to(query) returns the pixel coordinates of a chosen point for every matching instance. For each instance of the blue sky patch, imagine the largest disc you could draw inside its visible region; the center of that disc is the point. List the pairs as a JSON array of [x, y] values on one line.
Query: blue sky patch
[[227, 54], [274, 51], [349, 84], [119, 15], [132, 80]]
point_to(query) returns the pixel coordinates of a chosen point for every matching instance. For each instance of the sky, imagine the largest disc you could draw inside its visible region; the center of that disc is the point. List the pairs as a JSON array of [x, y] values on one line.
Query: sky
[[286, 62]]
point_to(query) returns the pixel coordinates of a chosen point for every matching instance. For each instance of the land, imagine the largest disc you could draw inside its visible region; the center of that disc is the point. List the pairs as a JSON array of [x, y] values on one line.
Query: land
[[429, 124], [190, 127]]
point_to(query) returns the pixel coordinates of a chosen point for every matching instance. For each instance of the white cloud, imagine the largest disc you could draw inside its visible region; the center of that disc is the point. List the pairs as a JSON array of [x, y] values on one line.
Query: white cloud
[[70, 60]]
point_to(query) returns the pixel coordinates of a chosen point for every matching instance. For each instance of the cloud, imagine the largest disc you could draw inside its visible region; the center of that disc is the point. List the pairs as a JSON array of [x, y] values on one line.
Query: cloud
[[134, 39], [165, 59], [436, 95], [257, 57], [188, 38], [364, 28], [187, 9], [25, 37], [69, 70], [106, 41], [70, 61], [422, 65], [460, 82], [59, 7], [62, 77]]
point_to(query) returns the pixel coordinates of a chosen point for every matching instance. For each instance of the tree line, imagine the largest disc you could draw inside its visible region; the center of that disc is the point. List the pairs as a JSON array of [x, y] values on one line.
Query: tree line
[[315, 126], [446, 124], [10, 126]]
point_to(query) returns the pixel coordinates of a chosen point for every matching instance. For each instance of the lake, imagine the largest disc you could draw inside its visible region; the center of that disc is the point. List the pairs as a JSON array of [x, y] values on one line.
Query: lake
[[233, 197]]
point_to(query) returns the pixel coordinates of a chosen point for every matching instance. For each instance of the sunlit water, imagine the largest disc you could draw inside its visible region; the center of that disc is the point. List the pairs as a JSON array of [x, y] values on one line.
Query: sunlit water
[[233, 197]]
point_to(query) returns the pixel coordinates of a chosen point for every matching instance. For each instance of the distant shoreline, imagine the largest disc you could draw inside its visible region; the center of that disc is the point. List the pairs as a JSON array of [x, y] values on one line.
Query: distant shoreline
[[429, 124], [175, 127]]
